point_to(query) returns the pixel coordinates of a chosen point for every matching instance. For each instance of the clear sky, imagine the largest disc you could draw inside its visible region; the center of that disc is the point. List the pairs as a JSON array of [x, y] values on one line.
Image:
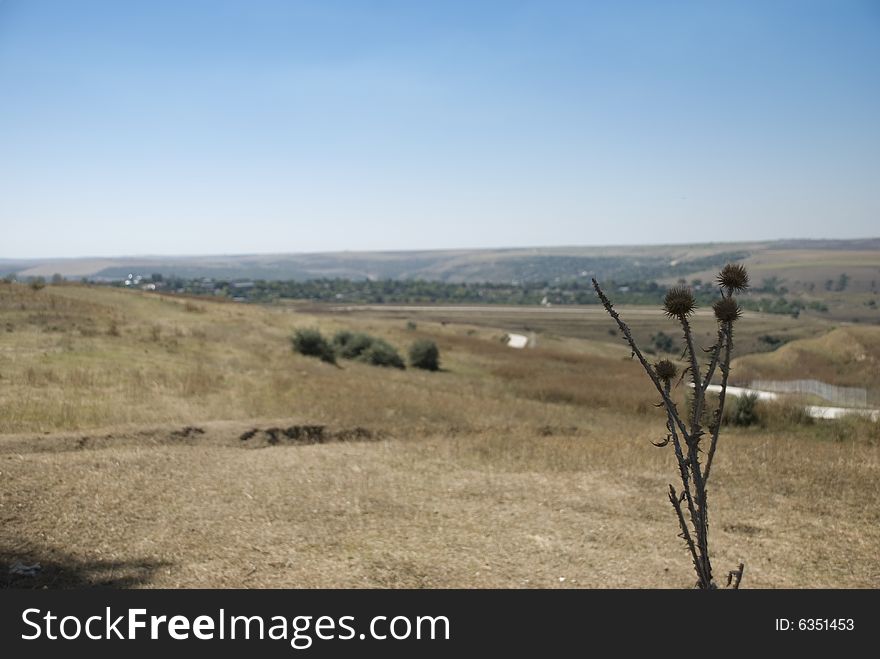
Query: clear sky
[[213, 126]]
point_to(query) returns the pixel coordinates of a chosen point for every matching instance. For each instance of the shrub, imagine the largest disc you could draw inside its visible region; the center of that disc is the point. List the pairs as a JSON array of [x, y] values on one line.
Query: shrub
[[663, 342], [745, 412], [350, 345], [365, 348], [785, 414], [381, 353], [311, 342], [425, 355]]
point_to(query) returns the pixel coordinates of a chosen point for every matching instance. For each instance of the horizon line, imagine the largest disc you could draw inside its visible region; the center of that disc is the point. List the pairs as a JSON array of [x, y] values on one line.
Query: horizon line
[[429, 250]]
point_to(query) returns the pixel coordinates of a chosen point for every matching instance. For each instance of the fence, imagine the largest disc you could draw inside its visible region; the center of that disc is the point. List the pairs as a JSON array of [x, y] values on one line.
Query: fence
[[846, 396]]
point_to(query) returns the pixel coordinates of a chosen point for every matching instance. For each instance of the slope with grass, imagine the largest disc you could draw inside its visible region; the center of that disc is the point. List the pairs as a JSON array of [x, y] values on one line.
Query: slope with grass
[[847, 356], [152, 441]]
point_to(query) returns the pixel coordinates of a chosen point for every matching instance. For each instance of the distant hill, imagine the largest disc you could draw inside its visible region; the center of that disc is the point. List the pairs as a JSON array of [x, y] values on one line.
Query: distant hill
[[839, 279], [801, 265]]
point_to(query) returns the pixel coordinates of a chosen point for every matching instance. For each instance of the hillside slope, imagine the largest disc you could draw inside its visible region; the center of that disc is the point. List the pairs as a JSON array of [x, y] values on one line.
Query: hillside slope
[[845, 356], [166, 442]]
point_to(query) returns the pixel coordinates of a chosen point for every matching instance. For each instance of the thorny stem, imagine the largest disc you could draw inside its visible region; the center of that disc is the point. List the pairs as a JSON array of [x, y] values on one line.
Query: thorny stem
[[685, 533], [689, 341], [713, 363], [699, 513], [689, 467], [686, 483], [725, 373], [670, 406]]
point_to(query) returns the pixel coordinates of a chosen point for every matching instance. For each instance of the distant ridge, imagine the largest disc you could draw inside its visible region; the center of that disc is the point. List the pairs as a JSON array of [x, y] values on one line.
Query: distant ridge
[[462, 265]]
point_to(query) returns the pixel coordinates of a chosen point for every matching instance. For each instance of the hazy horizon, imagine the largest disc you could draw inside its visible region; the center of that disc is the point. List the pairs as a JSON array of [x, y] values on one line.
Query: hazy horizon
[[228, 128], [499, 248]]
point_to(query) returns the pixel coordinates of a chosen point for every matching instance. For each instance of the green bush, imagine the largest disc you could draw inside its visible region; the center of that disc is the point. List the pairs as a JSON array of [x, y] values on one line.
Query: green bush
[[311, 342], [350, 345], [745, 412], [424, 354], [381, 353], [365, 348], [663, 342]]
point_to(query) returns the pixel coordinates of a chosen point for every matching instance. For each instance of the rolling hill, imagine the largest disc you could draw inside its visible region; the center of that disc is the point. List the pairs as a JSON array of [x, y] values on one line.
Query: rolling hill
[[783, 259]]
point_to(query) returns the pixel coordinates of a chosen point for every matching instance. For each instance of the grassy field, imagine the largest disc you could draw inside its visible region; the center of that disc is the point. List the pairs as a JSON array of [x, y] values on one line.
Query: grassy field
[[153, 441], [554, 325]]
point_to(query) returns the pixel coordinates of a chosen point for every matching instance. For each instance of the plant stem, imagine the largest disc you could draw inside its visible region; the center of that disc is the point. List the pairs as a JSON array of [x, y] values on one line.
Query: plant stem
[[725, 373]]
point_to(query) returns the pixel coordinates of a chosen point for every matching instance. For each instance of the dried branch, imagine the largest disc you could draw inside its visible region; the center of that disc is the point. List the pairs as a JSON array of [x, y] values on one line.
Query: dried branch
[[670, 406], [735, 576], [679, 304]]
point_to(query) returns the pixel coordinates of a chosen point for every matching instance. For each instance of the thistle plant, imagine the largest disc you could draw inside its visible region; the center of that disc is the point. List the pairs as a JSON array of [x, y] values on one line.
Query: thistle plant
[[694, 445]]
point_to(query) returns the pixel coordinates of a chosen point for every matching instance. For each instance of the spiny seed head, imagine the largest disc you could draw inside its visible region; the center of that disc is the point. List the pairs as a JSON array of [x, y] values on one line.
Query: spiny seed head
[[726, 310], [679, 302], [733, 277], [665, 370]]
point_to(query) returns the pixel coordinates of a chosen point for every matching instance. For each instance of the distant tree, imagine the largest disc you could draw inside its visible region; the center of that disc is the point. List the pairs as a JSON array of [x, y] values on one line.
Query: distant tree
[[38, 283], [424, 354], [57, 279]]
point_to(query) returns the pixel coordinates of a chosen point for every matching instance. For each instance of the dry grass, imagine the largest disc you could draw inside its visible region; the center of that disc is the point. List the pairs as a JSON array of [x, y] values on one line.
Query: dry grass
[[554, 325], [515, 509], [509, 468]]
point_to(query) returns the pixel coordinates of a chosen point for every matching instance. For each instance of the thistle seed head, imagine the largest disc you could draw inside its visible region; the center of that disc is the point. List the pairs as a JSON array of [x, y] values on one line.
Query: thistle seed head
[[726, 310], [679, 302], [733, 277], [665, 370]]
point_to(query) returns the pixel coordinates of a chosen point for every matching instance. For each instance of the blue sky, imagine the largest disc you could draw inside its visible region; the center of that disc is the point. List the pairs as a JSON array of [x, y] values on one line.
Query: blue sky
[[188, 127]]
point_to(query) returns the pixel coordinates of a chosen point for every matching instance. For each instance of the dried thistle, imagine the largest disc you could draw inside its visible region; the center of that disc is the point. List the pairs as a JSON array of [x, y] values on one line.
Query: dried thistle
[[666, 370], [679, 302], [733, 278], [726, 310], [687, 434]]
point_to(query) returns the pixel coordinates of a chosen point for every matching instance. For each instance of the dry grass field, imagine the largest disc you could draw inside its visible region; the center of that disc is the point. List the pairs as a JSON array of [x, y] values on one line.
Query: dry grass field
[[161, 442]]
